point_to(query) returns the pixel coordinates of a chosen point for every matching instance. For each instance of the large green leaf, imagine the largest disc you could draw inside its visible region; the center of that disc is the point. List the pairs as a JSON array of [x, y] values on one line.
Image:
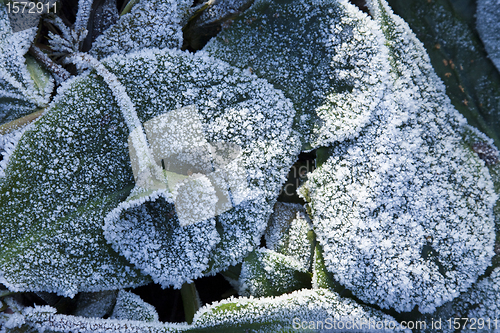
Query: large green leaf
[[72, 168], [24, 85], [447, 30], [325, 56], [405, 212], [67, 172]]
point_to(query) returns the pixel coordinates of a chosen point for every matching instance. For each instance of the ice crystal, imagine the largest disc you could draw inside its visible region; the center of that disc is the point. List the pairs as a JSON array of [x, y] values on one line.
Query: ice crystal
[[8, 143], [20, 91], [488, 26], [404, 212], [325, 55]]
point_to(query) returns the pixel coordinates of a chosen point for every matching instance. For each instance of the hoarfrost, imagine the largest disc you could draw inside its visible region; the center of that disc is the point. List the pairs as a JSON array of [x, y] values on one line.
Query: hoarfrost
[[44, 318], [405, 212], [8, 143], [488, 26], [151, 23], [288, 233], [96, 305], [234, 108], [277, 314], [20, 94], [325, 55], [132, 307], [268, 273]]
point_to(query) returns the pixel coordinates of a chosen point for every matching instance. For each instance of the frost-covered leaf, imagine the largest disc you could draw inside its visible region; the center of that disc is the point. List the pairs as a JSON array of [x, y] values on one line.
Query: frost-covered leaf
[[24, 85], [132, 307], [45, 319], [405, 212], [72, 168], [480, 304], [300, 310], [488, 26], [267, 273], [68, 171], [234, 108], [151, 23], [447, 30], [95, 305], [289, 233], [207, 20], [324, 54], [148, 233]]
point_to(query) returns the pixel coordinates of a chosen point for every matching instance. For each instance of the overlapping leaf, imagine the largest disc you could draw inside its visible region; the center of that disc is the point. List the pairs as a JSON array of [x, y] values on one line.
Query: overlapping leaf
[[24, 85], [326, 56], [150, 23], [405, 212], [72, 168]]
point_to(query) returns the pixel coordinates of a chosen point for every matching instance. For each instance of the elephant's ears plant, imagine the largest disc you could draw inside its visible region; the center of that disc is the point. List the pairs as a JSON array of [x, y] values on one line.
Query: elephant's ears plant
[[153, 164]]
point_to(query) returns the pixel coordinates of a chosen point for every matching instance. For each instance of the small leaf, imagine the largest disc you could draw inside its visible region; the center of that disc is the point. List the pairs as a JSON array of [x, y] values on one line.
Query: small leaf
[[267, 273], [131, 307], [289, 233]]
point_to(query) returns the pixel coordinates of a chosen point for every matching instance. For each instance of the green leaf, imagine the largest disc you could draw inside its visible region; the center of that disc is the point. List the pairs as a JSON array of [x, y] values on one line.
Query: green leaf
[[72, 168], [488, 26], [324, 55], [267, 273], [68, 171], [131, 307], [301, 310], [447, 30], [151, 23], [290, 234], [24, 85], [404, 213]]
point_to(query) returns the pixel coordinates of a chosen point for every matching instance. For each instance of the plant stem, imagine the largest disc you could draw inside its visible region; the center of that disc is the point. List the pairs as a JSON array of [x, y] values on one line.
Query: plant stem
[[20, 122], [57, 70], [190, 301]]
